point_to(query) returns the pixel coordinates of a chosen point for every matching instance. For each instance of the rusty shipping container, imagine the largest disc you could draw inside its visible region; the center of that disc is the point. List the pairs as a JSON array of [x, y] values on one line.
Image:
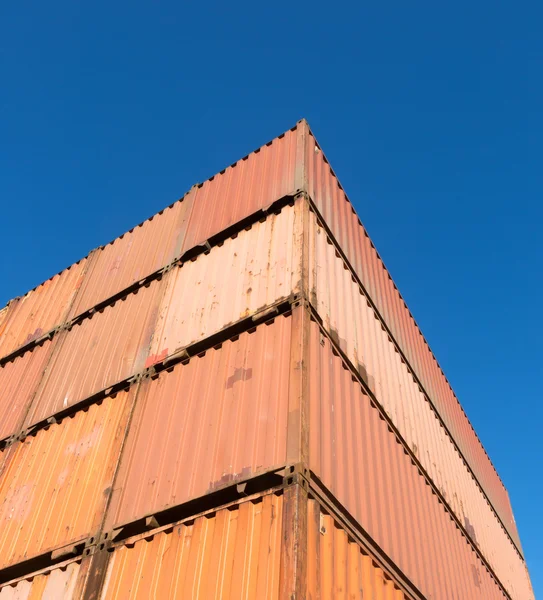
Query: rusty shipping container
[[41, 309], [54, 485], [290, 163], [251, 411]]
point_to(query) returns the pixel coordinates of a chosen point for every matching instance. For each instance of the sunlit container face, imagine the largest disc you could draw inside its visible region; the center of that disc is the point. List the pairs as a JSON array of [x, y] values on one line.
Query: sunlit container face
[[135, 255], [338, 568], [55, 485], [232, 553], [338, 213], [357, 456], [217, 419], [249, 272], [101, 351], [42, 309], [19, 380], [63, 582], [253, 183], [355, 328]]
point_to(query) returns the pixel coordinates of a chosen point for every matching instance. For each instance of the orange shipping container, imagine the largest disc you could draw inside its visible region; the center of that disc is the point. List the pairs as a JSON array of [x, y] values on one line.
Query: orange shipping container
[[217, 419], [352, 323], [54, 486], [99, 352], [359, 459], [19, 380], [134, 255], [41, 309]]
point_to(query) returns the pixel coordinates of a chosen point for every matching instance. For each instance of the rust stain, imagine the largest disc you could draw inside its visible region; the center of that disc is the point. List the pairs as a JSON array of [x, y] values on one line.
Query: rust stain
[[240, 374], [228, 478]]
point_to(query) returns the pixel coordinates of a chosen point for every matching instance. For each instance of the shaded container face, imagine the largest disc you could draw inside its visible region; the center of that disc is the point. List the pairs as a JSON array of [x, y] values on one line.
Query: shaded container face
[[346, 227], [359, 459], [338, 568], [249, 272], [220, 418], [19, 380], [138, 253], [42, 309], [64, 582], [355, 328], [110, 347], [53, 503], [229, 554], [253, 183]]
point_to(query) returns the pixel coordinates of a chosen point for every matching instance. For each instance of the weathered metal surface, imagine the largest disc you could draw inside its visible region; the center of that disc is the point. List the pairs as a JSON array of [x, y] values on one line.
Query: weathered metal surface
[[217, 419], [98, 353], [338, 569], [233, 553], [357, 456], [54, 486], [135, 255], [62, 582], [41, 309], [19, 380], [340, 217], [352, 324], [254, 182], [249, 272]]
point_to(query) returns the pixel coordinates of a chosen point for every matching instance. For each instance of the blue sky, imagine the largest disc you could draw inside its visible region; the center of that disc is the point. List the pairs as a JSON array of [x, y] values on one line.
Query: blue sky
[[429, 113]]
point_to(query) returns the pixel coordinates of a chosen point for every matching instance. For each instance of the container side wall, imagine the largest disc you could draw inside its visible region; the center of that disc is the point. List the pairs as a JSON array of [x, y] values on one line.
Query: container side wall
[[338, 569], [99, 352], [247, 186], [357, 456], [249, 272], [230, 554], [205, 424], [19, 380], [41, 309], [62, 583], [138, 253], [346, 227], [54, 486], [354, 327]]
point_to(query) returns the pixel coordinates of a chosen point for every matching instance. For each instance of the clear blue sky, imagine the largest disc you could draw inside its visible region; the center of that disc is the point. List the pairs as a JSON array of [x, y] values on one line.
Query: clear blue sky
[[431, 115]]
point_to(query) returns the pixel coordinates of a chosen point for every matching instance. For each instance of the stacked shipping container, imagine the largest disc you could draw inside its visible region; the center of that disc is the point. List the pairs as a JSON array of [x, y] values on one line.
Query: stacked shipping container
[[232, 400]]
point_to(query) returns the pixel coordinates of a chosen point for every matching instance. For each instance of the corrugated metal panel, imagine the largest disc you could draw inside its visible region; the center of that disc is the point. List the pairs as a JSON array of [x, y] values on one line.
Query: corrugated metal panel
[[54, 485], [19, 380], [339, 215], [99, 352], [4, 316], [257, 268], [192, 433], [135, 255], [254, 182], [346, 314], [228, 554], [338, 569], [41, 309], [356, 455], [64, 582]]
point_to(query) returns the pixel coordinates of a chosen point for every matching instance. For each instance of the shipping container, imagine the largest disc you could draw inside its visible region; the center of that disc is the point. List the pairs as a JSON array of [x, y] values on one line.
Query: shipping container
[[338, 568], [353, 325], [231, 553], [64, 581], [97, 353], [345, 226], [205, 424], [54, 485], [357, 456], [19, 380], [41, 309], [251, 271], [134, 255]]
